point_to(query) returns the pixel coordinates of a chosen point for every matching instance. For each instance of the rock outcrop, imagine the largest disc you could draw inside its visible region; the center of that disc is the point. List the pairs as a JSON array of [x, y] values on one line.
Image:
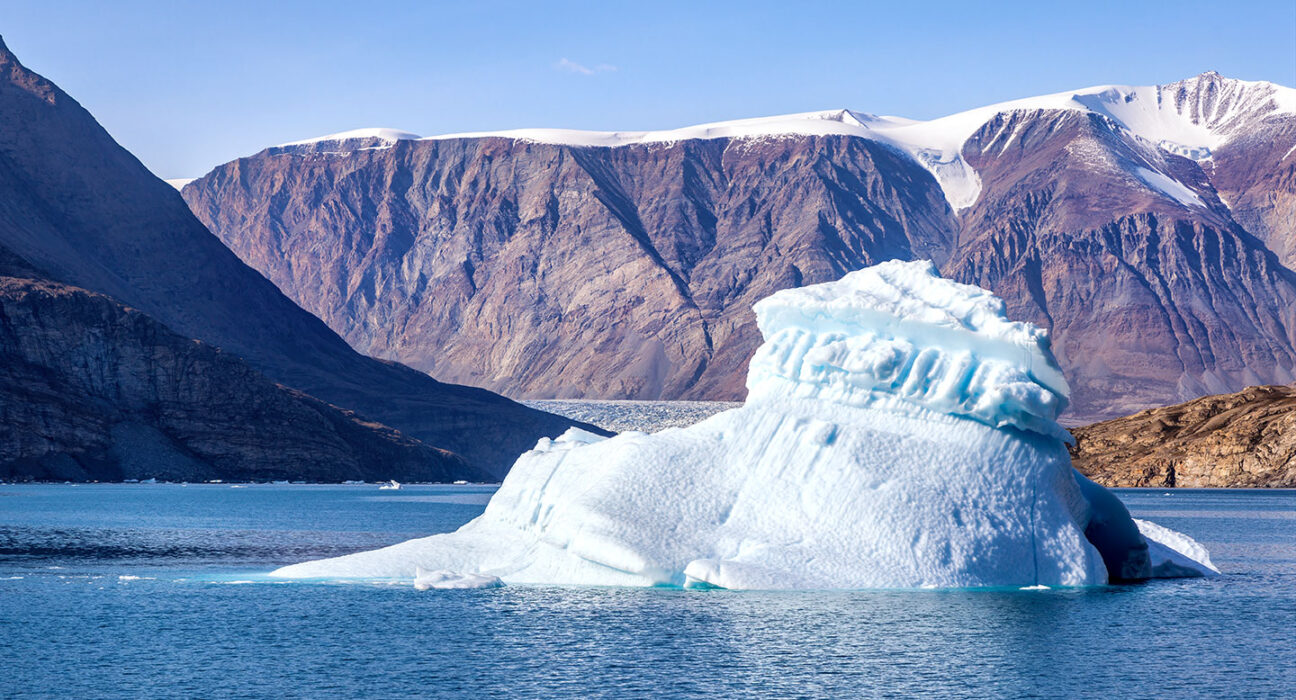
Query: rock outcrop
[[1246, 439], [78, 210], [1146, 227]]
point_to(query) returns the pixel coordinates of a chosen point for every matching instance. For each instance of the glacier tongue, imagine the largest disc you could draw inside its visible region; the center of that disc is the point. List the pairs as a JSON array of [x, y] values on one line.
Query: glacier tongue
[[899, 433]]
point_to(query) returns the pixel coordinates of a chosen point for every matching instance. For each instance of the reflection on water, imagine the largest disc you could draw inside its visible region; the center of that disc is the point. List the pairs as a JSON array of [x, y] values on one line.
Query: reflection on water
[[157, 590]]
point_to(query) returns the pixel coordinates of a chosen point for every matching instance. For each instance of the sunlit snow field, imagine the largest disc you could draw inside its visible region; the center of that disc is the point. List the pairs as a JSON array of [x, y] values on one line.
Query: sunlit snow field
[[157, 590]]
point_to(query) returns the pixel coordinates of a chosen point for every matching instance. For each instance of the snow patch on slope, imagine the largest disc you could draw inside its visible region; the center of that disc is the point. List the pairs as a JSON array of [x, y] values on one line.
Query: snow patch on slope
[[1168, 186]]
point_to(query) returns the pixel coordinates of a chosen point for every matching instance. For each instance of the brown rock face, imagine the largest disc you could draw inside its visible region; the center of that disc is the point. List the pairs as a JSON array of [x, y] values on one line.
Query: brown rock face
[[1247, 439], [543, 270], [551, 271], [83, 212], [90, 389]]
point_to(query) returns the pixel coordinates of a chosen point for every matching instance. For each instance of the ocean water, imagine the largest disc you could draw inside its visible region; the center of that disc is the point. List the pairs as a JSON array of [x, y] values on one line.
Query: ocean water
[[620, 415], [158, 591]]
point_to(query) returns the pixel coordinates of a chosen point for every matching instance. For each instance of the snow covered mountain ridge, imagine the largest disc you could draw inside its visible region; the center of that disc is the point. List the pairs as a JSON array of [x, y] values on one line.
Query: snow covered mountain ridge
[[1188, 118]]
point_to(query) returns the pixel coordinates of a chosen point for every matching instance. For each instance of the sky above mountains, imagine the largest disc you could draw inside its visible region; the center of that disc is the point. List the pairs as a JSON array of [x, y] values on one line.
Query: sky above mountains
[[186, 86]]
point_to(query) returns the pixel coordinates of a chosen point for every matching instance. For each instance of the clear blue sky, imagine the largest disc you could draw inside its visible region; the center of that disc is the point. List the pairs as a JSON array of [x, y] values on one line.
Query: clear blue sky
[[188, 85]]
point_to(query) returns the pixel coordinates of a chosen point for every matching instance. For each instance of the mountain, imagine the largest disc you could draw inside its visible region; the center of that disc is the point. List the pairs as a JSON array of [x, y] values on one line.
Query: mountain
[[86, 231], [1245, 439], [1150, 228]]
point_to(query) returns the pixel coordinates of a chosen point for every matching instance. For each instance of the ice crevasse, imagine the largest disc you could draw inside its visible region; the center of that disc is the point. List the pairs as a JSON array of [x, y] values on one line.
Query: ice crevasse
[[899, 432]]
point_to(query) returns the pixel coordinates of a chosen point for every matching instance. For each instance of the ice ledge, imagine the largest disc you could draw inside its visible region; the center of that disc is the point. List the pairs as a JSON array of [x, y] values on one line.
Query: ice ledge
[[898, 334]]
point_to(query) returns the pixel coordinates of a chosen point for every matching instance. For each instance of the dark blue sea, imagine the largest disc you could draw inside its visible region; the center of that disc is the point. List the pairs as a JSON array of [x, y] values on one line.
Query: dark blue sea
[[157, 591]]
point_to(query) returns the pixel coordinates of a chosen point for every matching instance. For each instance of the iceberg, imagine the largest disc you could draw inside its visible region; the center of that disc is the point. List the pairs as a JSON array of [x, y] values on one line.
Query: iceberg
[[900, 431]]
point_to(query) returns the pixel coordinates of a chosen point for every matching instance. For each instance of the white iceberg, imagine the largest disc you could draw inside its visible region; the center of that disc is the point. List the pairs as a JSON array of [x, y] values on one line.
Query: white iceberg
[[899, 432]]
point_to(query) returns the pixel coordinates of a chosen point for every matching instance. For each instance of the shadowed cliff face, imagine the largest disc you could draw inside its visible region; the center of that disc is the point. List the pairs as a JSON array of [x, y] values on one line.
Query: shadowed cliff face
[[1246, 439], [545, 270], [90, 389], [85, 213]]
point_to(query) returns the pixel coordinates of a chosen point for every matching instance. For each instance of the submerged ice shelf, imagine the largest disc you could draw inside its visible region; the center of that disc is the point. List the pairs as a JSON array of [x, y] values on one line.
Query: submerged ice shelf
[[900, 432]]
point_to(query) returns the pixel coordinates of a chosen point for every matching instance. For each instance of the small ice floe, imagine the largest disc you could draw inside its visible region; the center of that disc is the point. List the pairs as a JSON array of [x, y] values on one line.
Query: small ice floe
[[1038, 587], [352, 482], [460, 482], [423, 580], [130, 577], [392, 485], [1174, 554], [149, 481]]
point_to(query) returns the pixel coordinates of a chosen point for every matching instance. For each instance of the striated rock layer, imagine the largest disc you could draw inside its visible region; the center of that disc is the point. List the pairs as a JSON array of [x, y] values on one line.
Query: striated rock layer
[[1246, 439], [78, 210], [1149, 228]]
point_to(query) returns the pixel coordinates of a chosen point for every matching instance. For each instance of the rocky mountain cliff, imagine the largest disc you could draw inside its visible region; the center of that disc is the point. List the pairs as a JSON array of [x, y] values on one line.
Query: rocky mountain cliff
[[80, 217], [1236, 440], [1150, 228]]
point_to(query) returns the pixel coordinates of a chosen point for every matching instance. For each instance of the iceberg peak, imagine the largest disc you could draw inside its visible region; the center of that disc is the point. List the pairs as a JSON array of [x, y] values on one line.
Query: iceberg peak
[[899, 334]]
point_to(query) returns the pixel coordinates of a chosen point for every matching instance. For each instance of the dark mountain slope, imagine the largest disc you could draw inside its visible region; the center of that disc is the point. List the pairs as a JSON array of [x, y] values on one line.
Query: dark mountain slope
[[82, 210], [90, 389]]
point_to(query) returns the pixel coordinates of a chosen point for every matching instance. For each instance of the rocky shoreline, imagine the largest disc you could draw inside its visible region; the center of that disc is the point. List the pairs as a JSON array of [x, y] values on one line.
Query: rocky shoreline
[[1241, 440]]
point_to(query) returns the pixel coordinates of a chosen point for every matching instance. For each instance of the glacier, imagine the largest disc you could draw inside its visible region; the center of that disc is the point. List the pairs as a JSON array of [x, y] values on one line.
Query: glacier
[[900, 431]]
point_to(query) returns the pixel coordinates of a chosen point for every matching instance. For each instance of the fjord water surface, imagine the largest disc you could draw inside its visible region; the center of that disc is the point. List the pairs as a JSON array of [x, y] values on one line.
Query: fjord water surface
[[158, 591]]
